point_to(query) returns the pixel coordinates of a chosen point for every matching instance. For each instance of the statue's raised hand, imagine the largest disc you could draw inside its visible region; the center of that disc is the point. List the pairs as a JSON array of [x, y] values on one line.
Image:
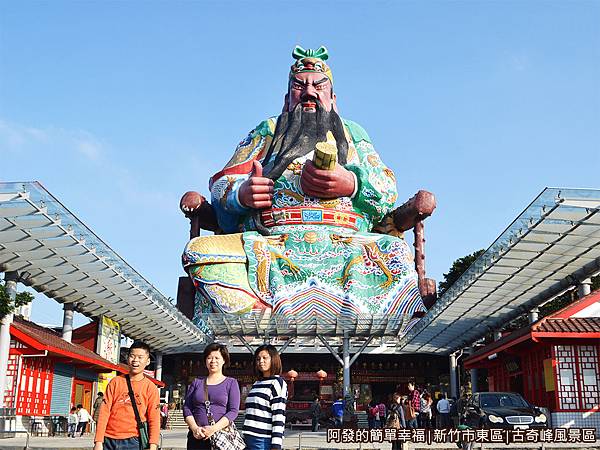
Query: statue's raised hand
[[320, 183], [257, 191]]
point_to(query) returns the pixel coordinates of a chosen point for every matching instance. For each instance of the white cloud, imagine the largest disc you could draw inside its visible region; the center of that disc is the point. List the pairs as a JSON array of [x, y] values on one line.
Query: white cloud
[[54, 149], [25, 139], [14, 137], [517, 60], [88, 146]]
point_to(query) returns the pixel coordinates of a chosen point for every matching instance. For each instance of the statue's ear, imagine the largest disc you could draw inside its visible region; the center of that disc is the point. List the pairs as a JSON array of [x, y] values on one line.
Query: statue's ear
[[286, 103], [334, 102]]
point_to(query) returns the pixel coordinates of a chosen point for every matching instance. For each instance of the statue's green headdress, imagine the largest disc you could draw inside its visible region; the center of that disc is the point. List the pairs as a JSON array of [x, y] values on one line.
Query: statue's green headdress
[[310, 60]]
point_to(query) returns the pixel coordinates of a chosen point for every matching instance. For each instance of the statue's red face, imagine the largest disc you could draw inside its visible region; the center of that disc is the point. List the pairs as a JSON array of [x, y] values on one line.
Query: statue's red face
[[307, 88]]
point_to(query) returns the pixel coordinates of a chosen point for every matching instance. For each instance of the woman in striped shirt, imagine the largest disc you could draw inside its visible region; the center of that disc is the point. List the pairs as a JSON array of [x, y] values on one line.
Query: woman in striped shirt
[[264, 421]]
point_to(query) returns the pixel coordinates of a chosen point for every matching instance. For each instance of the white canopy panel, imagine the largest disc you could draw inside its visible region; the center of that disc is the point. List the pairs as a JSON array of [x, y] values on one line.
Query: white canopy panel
[[548, 249], [61, 257]]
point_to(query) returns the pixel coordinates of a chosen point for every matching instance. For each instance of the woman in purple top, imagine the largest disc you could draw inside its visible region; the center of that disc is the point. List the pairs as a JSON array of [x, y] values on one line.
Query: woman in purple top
[[224, 395]]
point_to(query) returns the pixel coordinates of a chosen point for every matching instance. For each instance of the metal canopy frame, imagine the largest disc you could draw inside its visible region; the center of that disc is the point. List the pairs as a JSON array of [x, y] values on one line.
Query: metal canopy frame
[[262, 323], [553, 245], [338, 334], [66, 261], [246, 331]]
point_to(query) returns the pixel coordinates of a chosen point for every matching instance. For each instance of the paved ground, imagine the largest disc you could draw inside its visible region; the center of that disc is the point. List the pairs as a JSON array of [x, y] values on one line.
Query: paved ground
[[176, 440]]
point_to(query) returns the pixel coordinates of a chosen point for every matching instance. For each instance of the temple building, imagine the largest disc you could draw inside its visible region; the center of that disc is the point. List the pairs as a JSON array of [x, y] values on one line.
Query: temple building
[[47, 374], [553, 362]]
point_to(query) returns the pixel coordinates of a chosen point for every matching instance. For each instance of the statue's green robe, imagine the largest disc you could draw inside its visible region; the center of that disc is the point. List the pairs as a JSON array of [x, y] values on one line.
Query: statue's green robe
[[320, 257]]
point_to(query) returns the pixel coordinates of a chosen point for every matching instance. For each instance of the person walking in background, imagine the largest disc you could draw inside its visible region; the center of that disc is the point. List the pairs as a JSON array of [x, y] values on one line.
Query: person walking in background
[[462, 402], [414, 397], [382, 414], [425, 414], [435, 415], [337, 409], [117, 427], [172, 407], [453, 412], [83, 417], [461, 406], [72, 422], [396, 411], [349, 417], [264, 422], [315, 413], [223, 395], [372, 414], [96, 406], [164, 415], [443, 407], [410, 415], [395, 418]]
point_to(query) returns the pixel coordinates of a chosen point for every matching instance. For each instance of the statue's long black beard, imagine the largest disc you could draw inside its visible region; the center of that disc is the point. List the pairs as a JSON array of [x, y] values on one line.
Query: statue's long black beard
[[296, 134]]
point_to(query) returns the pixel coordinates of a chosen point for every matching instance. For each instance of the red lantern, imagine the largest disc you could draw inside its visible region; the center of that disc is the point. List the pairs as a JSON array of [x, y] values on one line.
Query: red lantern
[[321, 374], [292, 374]]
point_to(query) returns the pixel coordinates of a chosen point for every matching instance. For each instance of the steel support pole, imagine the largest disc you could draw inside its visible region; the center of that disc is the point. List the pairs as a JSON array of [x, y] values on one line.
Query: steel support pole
[[534, 315], [346, 359], [10, 284], [243, 341], [285, 346], [453, 379], [158, 365], [584, 288], [67, 327], [473, 374], [474, 385], [331, 350]]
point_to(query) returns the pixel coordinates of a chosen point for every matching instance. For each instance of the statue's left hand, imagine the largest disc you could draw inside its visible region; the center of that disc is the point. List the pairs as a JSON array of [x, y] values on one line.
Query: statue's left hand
[[319, 183]]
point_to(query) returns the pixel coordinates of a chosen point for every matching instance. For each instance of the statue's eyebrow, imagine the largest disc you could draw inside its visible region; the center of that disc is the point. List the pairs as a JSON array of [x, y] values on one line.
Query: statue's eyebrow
[[321, 81], [316, 83]]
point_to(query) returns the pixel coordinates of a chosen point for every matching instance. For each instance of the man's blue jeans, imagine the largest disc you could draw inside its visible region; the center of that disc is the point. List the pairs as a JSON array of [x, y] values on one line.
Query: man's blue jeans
[[257, 443], [131, 443], [412, 423]]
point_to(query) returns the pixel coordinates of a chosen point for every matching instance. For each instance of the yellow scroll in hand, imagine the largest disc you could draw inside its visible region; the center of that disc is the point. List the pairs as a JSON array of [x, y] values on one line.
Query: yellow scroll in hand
[[325, 156]]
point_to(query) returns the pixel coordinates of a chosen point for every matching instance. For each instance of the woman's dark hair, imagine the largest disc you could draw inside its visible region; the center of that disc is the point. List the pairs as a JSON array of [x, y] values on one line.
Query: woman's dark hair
[[222, 349], [275, 360]]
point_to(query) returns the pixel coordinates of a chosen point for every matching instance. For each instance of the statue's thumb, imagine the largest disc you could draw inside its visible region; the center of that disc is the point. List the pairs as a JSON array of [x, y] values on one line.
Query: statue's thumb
[[257, 169]]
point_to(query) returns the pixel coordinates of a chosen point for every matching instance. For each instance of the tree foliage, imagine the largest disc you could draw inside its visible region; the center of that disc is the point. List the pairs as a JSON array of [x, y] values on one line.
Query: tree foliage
[[6, 307], [552, 306], [457, 269], [461, 265]]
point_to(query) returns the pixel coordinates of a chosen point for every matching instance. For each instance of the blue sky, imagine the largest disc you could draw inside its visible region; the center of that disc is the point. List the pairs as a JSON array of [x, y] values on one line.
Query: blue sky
[[120, 107]]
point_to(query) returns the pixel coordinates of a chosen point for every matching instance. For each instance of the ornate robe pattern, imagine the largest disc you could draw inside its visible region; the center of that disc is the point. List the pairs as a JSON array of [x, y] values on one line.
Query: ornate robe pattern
[[320, 257]]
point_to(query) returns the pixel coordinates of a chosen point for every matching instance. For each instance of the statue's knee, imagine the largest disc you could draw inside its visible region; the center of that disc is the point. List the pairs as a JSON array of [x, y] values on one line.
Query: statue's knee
[[226, 285]]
